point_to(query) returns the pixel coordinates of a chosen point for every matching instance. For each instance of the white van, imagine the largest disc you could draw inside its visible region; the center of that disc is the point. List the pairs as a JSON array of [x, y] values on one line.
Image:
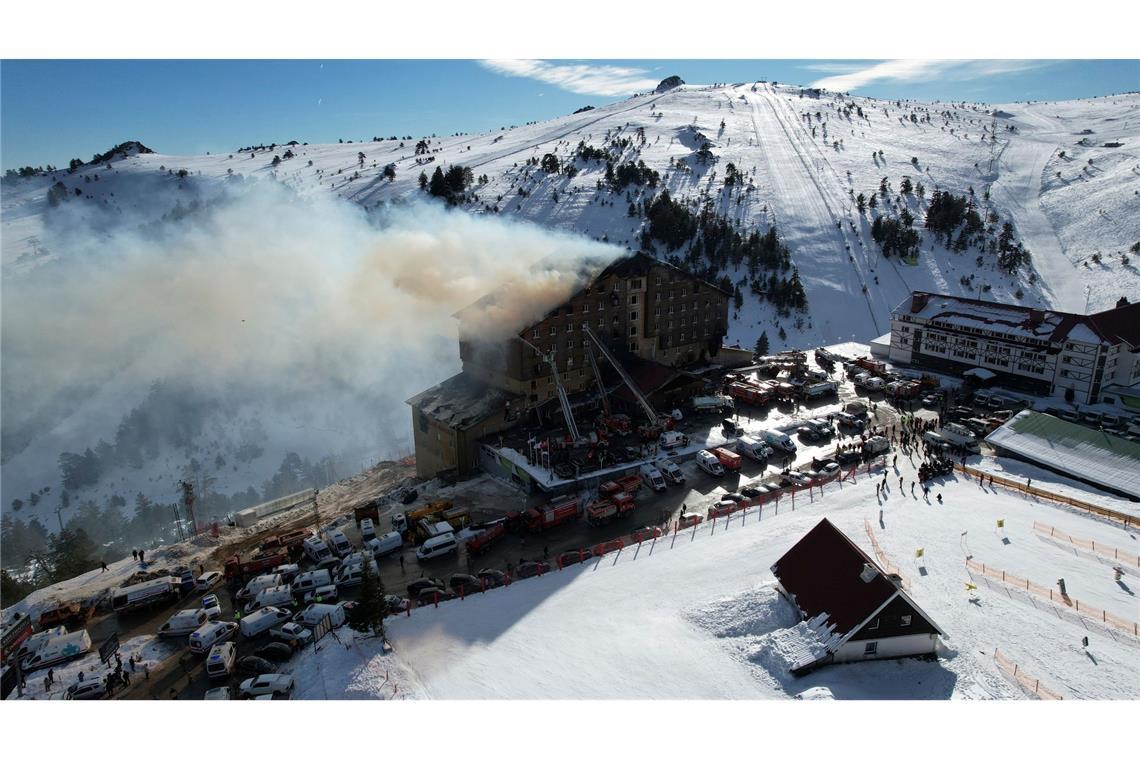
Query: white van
[[779, 441], [312, 615], [320, 595], [671, 471], [183, 623], [652, 476], [214, 632], [753, 449], [59, 649], [385, 544], [708, 462], [315, 549], [672, 439], [37, 641], [277, 596], [311, 580], [338, 542], [261, 621], [437, 547], [220, 661], [287, 572], [353, 575], [257, 585], [367, 529]]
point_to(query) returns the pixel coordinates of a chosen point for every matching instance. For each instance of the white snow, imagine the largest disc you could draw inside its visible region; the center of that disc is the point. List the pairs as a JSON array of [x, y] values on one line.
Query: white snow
[[799, 182], [698, 616]]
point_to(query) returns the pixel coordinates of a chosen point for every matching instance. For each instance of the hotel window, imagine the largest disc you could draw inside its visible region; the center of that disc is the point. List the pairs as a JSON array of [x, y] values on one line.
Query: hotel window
[[553, 330], [633, 330], [633, 315], [534, 333], [633, 300]]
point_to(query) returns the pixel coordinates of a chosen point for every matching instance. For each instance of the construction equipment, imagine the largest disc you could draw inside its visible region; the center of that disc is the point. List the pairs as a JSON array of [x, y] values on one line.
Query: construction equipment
[[563, 399], [650, 412], [401, 520]]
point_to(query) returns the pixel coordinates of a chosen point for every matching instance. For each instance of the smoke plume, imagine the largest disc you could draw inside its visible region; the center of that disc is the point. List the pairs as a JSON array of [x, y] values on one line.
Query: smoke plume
[[311, 306]]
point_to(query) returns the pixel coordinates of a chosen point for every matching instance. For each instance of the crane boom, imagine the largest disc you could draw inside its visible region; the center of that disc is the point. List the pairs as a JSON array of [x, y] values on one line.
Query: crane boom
[[598, 377], [563, 399], [649, 410]]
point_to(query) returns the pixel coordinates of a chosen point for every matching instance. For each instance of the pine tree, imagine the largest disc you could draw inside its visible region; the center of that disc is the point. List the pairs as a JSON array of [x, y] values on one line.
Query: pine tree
[[369, 612], [423, 180], [762, 344]]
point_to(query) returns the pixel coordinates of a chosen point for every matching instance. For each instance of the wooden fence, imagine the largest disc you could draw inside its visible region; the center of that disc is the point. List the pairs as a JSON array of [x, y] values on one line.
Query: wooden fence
[[1055, 596], [1122, 517], [1017, 675], [1111, 552]]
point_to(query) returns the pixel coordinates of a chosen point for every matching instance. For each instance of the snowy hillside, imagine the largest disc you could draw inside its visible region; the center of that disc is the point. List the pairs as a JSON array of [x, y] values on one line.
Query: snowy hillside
[[799, 162]]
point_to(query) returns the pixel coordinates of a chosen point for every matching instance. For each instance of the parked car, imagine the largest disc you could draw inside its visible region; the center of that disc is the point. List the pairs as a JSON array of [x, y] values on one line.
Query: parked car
[[416, 586], [219, 692], [212, 606], [254, 665], [463, 581], [274, 684], [751, 492], [531, 569], [275, 651], [737, 497], [849, 420], [93, 689], [394, 605], [494, 578], [794, 478], [208, 580], [291, 633], [433, 595]]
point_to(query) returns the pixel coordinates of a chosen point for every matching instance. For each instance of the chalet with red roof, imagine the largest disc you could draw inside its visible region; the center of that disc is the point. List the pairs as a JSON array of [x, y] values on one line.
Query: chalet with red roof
[[861, 612]]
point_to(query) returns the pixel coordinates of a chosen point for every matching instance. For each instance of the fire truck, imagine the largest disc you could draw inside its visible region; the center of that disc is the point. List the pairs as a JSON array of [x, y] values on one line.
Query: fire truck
[[538, 519]]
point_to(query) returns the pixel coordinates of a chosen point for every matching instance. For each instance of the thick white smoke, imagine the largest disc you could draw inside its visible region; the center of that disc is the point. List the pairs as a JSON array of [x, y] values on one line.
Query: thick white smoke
[[305, 304]]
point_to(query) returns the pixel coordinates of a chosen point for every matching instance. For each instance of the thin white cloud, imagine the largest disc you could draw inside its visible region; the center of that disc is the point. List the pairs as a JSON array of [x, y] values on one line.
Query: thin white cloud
[[583, 79], [834, 67], [923, 70]]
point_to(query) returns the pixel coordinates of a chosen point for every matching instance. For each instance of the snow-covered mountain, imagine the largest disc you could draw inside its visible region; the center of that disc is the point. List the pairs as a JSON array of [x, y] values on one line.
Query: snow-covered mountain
[[1065, 175]]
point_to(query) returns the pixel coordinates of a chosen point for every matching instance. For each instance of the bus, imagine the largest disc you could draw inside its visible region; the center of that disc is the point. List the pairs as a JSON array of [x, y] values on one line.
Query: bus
[[146, 593]]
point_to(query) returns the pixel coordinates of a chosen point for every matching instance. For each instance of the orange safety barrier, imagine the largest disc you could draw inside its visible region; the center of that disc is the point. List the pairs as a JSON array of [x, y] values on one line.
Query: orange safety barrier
[[885, 561], [608, 546], [1095, 509], [1027, 682], [1086, 610], [1123, 557]]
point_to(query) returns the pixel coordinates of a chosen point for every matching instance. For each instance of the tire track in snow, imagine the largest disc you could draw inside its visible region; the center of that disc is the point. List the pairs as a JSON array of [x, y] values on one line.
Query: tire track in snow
[[866, 249], [822, 204]]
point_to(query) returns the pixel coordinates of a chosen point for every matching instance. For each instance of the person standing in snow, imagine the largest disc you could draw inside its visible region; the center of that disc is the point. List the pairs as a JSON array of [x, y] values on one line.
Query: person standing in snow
[[104, 568]]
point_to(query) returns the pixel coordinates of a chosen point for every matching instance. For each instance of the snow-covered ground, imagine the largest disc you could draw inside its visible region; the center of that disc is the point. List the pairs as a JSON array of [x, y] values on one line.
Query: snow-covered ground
[[1055, 483], [698, 617], [150, 650], [796, 178]]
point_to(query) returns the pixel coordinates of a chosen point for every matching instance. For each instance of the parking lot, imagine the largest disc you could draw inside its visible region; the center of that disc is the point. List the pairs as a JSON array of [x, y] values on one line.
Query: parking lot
[[183, 674]]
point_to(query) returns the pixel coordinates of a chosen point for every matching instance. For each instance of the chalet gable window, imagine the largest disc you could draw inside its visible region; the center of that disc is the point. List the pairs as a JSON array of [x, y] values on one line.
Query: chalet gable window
[[871, 647], [904, 621]]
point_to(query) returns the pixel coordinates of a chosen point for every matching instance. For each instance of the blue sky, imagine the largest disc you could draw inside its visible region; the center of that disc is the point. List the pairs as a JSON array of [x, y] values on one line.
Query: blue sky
[[51, 111]]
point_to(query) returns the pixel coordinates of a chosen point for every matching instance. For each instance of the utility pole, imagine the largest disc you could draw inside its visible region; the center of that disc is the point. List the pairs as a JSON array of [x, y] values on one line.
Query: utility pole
[[59, 516]]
